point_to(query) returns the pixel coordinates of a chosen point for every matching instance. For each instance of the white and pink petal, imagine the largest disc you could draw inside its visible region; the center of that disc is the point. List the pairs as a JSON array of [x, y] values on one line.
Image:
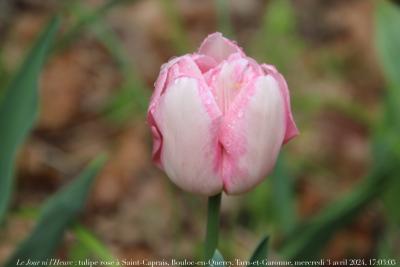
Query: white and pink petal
[[189, 126], [252, 135], [219, 47], [291, 128]]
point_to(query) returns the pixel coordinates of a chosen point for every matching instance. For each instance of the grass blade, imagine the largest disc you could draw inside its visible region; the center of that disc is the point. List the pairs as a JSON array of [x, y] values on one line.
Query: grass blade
[[133, 96], [18, 110], [388, 39], [260, 253], [307, 241], [388, 43], [93, 245], [56, 215], [283, 195]]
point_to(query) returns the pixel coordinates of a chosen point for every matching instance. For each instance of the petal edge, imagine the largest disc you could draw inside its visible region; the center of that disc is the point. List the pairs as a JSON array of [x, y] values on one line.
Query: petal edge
[[291, 128], [190, 144], [218, 47]]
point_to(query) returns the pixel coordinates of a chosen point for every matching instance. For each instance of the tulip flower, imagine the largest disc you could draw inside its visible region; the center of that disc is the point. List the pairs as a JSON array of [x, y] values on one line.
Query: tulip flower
[[219, 119]]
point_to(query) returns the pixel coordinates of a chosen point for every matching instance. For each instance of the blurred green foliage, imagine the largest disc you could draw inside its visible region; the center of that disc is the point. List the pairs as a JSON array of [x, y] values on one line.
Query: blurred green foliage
[[388, 40], [277, 40], [272, 202], [178, 36], [388, 131], [224, 19], [307, 240], [260, 253], [85, 19], [133, 95], [4, 75], [88, 246], [56, 216], [271, 206], [18, 110]]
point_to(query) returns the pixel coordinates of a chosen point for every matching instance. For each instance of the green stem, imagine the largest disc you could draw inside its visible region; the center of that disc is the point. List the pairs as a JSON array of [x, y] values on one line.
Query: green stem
[[211, 243]]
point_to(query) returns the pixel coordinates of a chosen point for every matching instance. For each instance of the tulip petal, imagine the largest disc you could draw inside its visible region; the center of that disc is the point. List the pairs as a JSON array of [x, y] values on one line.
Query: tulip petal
[[218, 47], [189, 126], [204, 63], [252, 135], [176, 67], [157, 139], [291, 128]]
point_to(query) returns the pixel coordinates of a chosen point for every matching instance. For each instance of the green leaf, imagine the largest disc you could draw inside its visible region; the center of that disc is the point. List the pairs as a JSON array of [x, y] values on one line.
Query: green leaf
[[272, 203], [56, 215], [388, 39], [89, 243], [306, 241], [78, 252], [391, 201], [133, 95], [217, 259], [388, 43], [283, 195], [18, 110], [260, 253], [4, 74]]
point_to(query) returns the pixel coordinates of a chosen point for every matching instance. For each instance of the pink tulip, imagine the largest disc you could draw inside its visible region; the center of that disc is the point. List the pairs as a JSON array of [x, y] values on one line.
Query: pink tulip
[[219, 119]]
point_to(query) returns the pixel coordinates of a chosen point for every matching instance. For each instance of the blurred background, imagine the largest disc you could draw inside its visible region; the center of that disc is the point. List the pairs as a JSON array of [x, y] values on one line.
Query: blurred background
[[329, 196]]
